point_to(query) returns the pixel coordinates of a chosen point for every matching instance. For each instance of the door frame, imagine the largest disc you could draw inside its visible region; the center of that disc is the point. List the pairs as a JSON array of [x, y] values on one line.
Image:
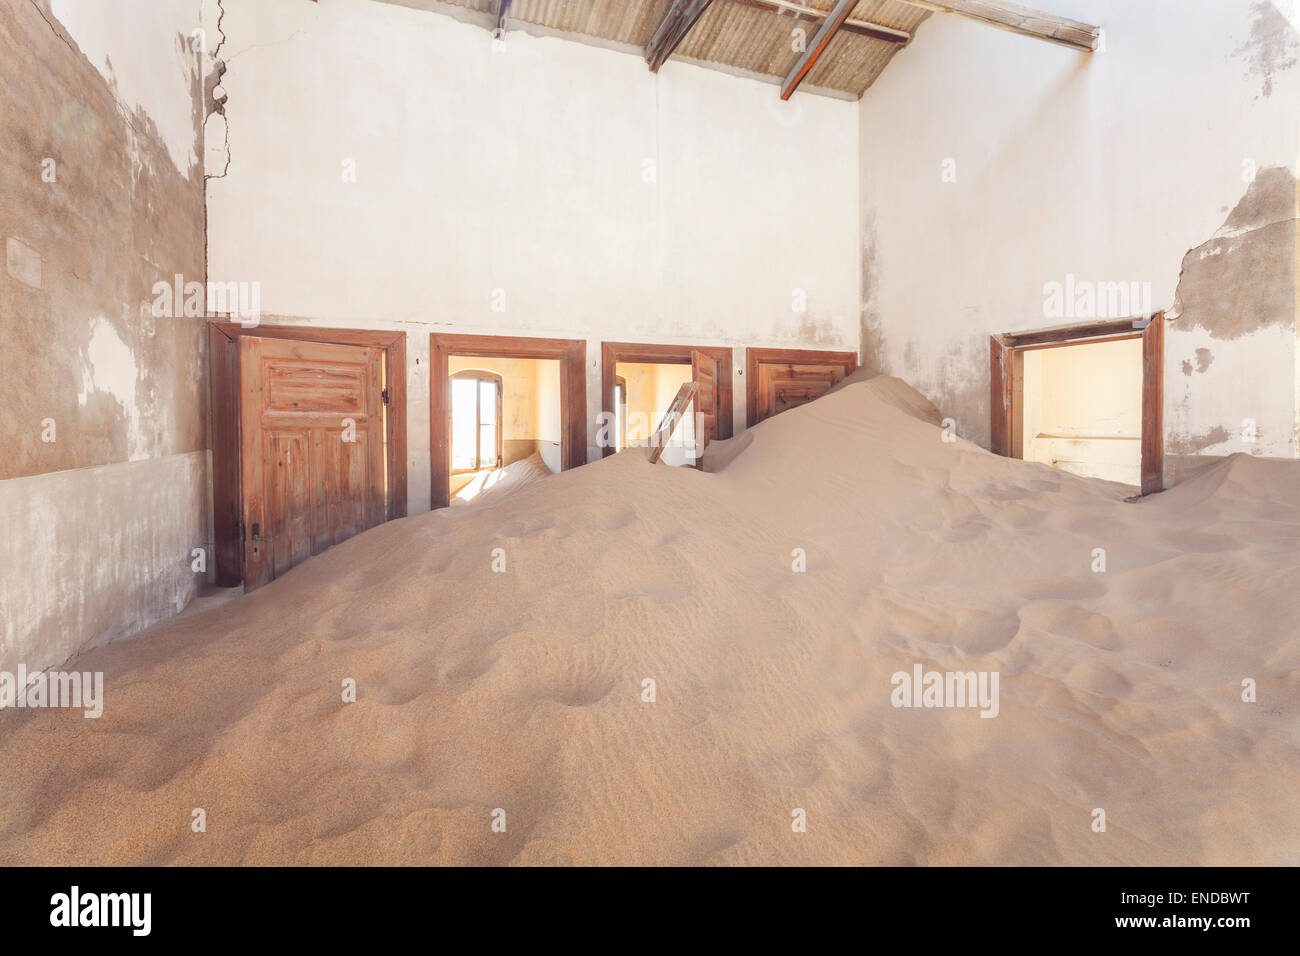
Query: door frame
[[223, 363], [572, 356], [640, 353], [755, 357], [1007, 382]]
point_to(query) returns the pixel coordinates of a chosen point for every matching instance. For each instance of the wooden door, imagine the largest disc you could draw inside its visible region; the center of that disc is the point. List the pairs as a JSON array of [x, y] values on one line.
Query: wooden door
[[1153, 405], [783, 379], [311, 449], [704, 373]]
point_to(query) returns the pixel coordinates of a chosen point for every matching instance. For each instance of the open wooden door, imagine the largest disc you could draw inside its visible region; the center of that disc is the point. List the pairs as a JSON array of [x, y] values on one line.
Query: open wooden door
[[311, 449], [704, 373]]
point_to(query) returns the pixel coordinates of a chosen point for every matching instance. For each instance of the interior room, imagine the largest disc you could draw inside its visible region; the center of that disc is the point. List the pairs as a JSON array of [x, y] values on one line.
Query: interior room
[[336, 334], [643, 394], [1083, 409], [504, 412]]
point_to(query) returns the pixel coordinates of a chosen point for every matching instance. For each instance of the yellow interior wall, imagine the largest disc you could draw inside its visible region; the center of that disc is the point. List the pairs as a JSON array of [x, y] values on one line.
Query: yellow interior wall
[[1083, 409], [530, 405]]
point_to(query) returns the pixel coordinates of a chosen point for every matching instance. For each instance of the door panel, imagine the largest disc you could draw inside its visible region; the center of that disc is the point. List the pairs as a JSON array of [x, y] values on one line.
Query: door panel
[[704, 372], [312, 449], [780, 380]]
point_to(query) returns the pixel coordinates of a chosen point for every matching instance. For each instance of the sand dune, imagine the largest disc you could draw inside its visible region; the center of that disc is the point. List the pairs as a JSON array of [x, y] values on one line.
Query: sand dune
[[522, 690]]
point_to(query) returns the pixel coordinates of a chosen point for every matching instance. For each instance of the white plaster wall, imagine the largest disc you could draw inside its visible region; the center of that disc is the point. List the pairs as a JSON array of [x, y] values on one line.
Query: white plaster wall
[[1110, 167], [564, 184], [139, 47], [94, 554]]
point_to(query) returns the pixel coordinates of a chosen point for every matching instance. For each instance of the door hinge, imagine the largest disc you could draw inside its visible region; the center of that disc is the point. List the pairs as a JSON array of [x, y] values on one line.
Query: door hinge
[[384, 396]]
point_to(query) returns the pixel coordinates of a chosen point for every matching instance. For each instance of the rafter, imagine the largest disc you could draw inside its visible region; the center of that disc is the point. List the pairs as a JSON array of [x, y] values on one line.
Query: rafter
[[799, 11], [830, 26], [1022, 20], [677, 22], [503, 19]]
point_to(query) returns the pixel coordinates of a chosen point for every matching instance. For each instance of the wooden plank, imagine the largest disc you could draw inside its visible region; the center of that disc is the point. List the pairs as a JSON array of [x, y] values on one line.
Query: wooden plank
[[612, 353], [756, 358], [704, 373], [1021, 20], [1067, 334], [570, 353], [1000, 399], [866, 28], [1016, 398], [800, 12], [808, 59], [677, 22], [223, 383], [395, 413], [672, 418], [503, 19], [1153, 406], [259, 565]]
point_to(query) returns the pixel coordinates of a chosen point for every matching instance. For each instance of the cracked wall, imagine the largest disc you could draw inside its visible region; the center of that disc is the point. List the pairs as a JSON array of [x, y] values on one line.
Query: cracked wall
[[103, 480], [993, 166]]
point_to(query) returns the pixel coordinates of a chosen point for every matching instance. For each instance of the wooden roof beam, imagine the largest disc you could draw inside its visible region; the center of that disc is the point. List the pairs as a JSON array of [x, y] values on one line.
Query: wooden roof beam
[[1022, 20], [677, 22], [808, 59], [799, 11], [503, 19]]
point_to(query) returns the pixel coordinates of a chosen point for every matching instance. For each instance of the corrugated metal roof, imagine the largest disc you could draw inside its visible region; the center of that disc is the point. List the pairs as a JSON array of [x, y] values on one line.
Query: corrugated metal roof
[[730, 33]]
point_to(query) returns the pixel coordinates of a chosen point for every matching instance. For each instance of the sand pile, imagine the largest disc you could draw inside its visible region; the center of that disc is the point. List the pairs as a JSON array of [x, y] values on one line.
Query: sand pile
[[503, 482], [523, 690]]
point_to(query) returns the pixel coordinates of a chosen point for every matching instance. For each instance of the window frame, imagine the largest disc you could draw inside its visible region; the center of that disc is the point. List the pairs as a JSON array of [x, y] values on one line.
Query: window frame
[[480, 376], [620, 411]]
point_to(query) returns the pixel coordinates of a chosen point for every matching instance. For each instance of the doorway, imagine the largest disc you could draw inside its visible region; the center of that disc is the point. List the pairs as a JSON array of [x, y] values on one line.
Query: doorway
[[1087, 399], [639, 382], [308, 442], [503, 412], [780, 379], [507, 398]]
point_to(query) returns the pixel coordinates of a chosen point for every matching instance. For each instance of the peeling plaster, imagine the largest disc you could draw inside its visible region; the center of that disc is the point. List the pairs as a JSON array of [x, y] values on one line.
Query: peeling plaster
[[1191, 444], [144, 84], [111, 369], [1243, 278]]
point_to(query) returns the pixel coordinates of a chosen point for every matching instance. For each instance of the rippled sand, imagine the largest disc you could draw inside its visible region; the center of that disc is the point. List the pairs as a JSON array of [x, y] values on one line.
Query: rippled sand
[[523, 690]]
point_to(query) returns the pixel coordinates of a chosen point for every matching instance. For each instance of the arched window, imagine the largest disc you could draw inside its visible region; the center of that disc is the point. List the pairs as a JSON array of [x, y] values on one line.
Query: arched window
[[475, 421], [620, 413]]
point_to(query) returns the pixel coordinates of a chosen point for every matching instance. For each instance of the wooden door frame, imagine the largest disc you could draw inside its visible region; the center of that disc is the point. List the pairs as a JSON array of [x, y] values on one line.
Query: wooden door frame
[[1006, 384], [640, 353], [223, 359], [755, 357], [572, 356]]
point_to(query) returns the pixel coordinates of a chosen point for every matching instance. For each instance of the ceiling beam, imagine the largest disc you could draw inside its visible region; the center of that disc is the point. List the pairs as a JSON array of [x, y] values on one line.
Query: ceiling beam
[[830, 26], [677, 22], [1022, 20], [877, 31], [503, 19]]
